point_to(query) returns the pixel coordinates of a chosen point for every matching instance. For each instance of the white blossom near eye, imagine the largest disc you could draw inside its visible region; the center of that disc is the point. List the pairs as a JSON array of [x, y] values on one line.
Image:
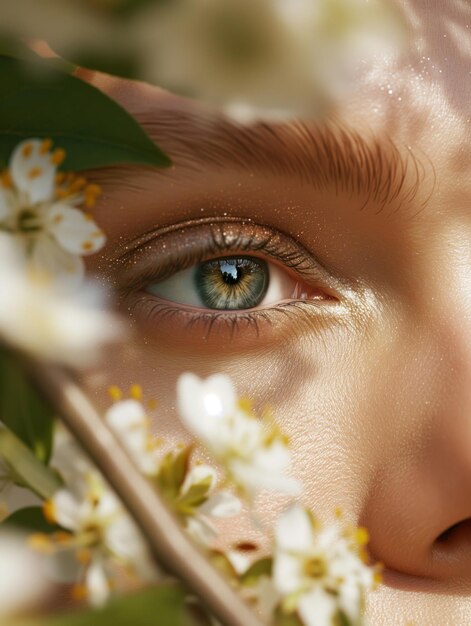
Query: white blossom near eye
[[38, 209], [214, 504], [130, 423], [318, 570], [99, 532], [22, 576], [254, 454], [37, 317]]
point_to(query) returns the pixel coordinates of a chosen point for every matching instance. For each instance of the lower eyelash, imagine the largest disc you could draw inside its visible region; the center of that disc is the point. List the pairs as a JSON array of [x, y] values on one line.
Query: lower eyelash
[[152, 310]]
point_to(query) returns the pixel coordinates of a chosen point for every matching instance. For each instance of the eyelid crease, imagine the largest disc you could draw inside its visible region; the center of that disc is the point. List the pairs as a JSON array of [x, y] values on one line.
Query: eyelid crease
[[157, 255]]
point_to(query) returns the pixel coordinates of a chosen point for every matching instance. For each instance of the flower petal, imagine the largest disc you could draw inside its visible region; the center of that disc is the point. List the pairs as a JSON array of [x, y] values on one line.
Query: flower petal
[[201, 530], [66, 509], [253, 479], [287, 572], [204, 404], [294, 530], [97, 584], [198, 474], [317, 608], [74, 230], [33, 171], [222, 504], [48, 258], [126, 414]]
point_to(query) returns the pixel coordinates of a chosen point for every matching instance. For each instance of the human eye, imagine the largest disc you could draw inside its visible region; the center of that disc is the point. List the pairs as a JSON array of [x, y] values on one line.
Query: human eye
[[223, 274]]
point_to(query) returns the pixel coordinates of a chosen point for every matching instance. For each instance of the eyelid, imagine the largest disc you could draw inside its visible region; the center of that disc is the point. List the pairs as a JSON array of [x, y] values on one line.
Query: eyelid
[[159, 254]]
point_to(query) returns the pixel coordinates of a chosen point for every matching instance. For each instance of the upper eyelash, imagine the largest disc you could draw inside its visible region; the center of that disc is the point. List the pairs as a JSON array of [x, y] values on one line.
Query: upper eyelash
[[221, 243]]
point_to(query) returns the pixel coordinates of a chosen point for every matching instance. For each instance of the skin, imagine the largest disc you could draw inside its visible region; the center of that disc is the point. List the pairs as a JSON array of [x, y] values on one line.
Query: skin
[[372, 385]]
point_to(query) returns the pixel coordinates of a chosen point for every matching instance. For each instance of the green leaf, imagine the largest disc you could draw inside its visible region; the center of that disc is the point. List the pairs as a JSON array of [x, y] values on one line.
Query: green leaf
[[160, 606], [23, 409], [262, 567], [172, 472], [30, 519], [196, 495], [341, 619], [26, 468], [38, 101], [282, 619]]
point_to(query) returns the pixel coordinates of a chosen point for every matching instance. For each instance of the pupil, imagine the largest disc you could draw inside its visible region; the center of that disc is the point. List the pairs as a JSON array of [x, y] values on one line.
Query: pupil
[[232, 283], [230, 272]]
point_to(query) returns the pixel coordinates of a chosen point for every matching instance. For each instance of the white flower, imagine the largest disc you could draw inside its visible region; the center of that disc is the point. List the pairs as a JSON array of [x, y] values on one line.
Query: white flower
[[38, 210], [22, 576], [318, 571], [129, 421], [255, 456], [191, 492], [37, 317], [198, 505], [264, 59], [99, 531]]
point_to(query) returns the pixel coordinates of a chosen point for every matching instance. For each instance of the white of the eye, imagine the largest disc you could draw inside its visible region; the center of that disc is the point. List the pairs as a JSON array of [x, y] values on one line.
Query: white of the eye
[[180, 288]]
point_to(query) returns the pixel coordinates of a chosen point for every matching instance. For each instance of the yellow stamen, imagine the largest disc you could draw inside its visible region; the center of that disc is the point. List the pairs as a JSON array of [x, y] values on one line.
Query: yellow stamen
[[361, 536], [62, 537], [78, 184], [62, 193], [83, 556], [90, 201], [60, 177], [135, 392], [34, 172], [6, 179], [246, 405], [115, 393], [97, 234], [46, 145], [27, 150], [87, 245], [93, 190], [41, 542], [49, 511], [338, 512], [58, 219], [79, 592], [88, 217], [58, 156]]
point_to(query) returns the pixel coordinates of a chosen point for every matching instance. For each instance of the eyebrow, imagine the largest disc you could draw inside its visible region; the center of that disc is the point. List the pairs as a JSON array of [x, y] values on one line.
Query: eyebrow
[[326, 155]]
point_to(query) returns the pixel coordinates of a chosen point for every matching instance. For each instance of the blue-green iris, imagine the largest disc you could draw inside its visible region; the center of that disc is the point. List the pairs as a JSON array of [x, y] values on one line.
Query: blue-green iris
[[232, 283]]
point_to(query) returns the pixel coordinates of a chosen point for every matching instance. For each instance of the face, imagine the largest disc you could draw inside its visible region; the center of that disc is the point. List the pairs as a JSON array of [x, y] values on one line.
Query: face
[[324, 265]]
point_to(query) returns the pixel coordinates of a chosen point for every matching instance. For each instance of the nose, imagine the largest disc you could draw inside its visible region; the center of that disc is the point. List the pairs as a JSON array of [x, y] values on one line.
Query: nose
[[418, 507]]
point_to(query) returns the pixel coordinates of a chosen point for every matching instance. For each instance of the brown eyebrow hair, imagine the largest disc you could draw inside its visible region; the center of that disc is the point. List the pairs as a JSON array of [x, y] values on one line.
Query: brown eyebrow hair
[[325, 154]]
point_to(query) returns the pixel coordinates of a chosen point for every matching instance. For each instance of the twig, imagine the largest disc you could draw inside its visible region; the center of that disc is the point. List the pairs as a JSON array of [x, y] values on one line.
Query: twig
[[169, 543]]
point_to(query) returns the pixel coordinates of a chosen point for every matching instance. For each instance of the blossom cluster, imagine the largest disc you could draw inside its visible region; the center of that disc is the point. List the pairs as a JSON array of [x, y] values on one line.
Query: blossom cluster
[[46, 309], [315, 572]]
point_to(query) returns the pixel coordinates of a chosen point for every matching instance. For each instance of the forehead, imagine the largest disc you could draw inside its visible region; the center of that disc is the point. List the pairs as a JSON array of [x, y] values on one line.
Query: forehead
[[425, 93]]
